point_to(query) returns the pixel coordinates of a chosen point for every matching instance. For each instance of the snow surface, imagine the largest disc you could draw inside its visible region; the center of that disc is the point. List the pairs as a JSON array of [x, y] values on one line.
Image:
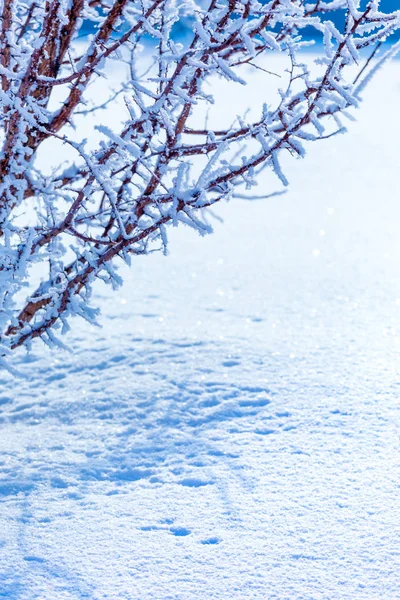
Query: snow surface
[[233, 429]]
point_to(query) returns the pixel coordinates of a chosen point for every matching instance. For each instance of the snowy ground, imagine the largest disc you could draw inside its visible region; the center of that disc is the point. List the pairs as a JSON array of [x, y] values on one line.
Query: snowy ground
[[233, 429]]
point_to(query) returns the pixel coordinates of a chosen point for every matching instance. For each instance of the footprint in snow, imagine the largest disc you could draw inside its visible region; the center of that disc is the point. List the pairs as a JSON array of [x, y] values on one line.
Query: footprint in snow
[[194, 482], [264, 431], [180, 531], [210, 541], [32, 558], [230, 363]]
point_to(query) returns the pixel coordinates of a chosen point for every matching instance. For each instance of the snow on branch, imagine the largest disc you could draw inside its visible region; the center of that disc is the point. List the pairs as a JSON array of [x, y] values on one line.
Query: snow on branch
[[64, 224]]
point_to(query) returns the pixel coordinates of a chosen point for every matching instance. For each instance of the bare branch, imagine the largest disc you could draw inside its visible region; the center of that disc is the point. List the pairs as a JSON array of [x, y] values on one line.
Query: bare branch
[[163, 166]]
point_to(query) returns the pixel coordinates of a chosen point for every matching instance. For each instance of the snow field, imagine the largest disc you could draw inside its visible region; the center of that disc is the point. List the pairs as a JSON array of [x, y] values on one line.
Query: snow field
[[233, 429]]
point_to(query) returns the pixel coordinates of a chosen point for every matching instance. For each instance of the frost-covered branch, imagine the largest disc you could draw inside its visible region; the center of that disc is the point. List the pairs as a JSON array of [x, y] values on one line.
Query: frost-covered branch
[[62, 226]]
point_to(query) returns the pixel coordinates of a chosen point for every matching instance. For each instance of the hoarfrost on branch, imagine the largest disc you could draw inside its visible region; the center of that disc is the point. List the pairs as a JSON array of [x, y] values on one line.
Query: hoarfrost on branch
[[71, 223]]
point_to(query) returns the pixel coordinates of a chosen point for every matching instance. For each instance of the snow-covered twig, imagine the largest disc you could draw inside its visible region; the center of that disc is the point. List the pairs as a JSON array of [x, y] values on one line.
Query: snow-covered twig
[[117, 200]]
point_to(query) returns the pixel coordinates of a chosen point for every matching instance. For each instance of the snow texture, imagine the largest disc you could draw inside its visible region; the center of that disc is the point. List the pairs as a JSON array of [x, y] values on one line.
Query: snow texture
[[233, 430]]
